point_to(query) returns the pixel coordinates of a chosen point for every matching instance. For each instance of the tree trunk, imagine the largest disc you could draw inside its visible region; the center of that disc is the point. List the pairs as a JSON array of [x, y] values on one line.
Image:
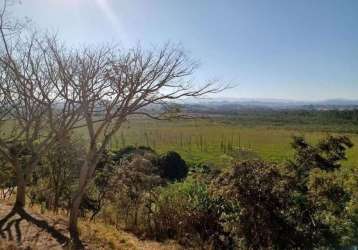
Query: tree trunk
[[73, 223], [56, 200], [20, 192], [86, 173], [75, 208]]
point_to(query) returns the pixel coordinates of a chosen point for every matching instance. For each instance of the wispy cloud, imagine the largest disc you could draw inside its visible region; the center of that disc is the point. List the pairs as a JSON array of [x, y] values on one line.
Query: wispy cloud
[[112, 17]]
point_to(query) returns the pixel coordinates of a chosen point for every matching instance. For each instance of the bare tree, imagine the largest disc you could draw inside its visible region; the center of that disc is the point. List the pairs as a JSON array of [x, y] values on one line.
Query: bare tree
[[46, 91], [113, 86], [34, 113]]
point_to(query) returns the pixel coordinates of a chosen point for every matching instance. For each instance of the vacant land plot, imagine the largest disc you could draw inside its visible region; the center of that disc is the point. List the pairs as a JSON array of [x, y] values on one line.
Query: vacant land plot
[[219, 140]]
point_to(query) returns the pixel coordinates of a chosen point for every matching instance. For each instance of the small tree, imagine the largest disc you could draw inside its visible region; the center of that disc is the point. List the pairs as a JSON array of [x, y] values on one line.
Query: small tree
[[263, 196], [319, 199], [36, 110], [130, 184], [113, 86]]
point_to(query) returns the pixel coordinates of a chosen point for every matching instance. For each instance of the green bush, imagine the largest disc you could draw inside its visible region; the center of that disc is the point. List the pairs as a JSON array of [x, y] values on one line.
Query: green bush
[[173, 167], [128, 188], [304, 204], [187, 212], [320, 200], [262, 194]]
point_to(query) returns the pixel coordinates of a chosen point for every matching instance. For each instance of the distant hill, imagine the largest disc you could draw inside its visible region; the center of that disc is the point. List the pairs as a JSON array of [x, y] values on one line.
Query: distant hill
[[232, 104]]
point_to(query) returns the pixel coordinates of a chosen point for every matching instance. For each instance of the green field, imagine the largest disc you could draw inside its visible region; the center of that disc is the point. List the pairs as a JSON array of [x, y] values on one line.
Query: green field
[[220, 141]]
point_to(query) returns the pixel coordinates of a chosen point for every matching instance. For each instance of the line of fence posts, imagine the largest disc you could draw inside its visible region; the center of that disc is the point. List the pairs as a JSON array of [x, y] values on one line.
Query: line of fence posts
[[154, 139]]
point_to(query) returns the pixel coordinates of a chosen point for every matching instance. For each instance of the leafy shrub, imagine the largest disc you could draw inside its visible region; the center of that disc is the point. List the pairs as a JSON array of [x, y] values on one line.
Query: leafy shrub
[[326, 155], [262, 194], [129, 185], [173, 167], [187, 212], [299, 205], [204, 173], [126, 185], [331, 202], [320, 200], [53, 183]]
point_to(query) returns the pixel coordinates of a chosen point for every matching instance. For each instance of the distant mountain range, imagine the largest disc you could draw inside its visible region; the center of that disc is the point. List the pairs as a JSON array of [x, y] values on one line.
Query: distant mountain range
[[267, 103]]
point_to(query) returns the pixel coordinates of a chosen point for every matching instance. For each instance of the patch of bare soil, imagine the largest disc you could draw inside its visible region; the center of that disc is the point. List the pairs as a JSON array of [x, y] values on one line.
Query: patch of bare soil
[[32, 230]]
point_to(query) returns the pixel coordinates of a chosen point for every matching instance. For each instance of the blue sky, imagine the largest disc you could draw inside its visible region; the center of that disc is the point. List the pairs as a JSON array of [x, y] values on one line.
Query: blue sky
[[291, 49]]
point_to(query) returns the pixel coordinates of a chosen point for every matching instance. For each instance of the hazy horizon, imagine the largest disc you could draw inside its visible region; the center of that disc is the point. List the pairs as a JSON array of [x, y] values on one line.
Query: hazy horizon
[[299, 50]]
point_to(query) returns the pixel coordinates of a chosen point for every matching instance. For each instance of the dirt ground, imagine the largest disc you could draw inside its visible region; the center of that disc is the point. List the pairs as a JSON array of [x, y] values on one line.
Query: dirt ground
[[37, 231]]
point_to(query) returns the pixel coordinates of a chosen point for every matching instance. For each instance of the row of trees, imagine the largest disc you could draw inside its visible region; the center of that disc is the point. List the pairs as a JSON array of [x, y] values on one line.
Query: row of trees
[[48, 90]]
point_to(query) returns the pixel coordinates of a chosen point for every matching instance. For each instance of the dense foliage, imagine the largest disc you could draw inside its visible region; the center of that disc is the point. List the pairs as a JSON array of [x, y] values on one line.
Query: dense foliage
[[173, 167]]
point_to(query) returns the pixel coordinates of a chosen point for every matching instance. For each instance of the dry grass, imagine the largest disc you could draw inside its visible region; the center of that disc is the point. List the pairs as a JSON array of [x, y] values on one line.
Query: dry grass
[[101, 236], [94, 235]]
